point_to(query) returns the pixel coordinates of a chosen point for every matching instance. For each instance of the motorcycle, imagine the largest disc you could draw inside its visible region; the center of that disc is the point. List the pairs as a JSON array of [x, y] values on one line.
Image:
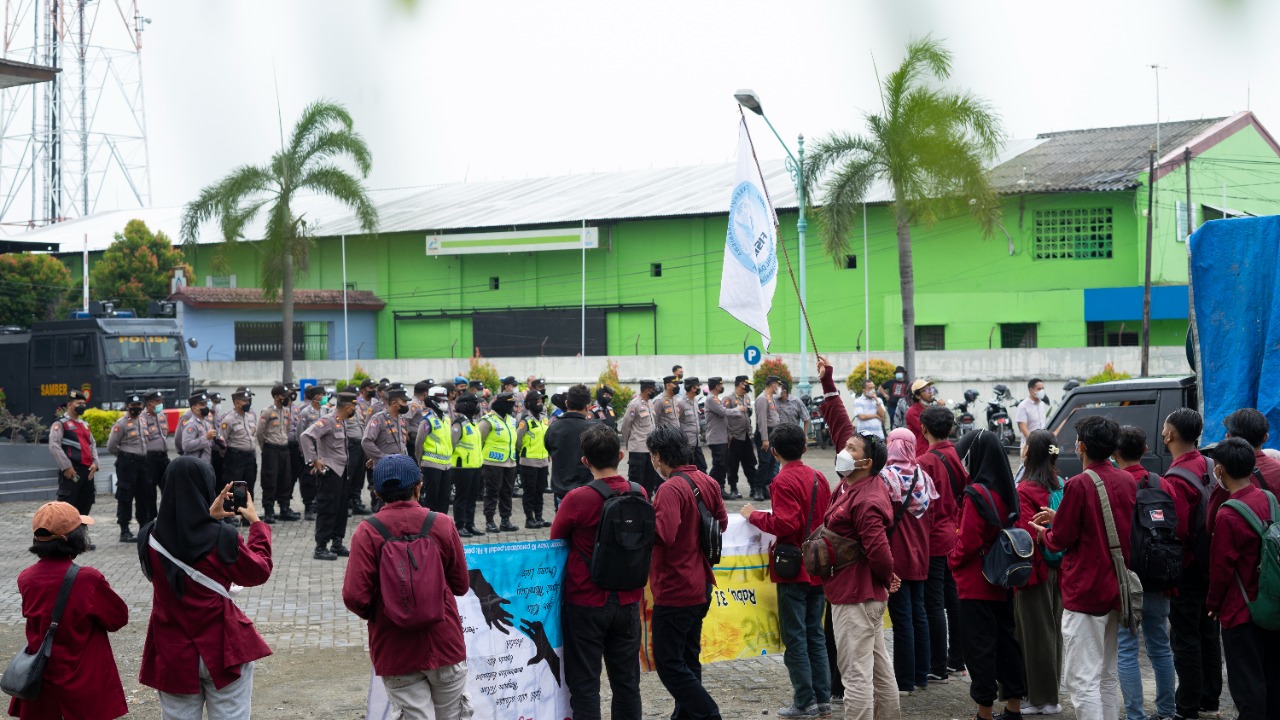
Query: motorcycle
[[966, 422], [818, 432], [998, 420]]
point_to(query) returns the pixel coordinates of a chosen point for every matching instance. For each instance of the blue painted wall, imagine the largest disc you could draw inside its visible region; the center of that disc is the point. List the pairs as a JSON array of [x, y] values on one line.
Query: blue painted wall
[[1168, 302], [215, 330]]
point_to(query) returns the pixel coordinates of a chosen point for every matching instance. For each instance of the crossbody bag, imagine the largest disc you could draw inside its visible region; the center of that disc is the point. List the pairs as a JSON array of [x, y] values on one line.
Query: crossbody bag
[[788, 558]]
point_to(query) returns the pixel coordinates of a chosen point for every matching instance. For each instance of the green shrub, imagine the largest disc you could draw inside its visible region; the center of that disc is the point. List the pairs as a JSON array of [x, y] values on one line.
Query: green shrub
[[100, 422], [484, 371], [881, 373], [772, 366], [357, 377], [1108, 374], [621, 393]]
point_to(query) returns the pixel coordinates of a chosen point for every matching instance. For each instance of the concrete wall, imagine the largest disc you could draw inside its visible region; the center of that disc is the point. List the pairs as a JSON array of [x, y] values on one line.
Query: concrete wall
[[215, 330]]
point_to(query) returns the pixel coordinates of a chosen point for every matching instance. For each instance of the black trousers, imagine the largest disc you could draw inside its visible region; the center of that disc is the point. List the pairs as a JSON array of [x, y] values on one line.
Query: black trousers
[[1253, 655], [242, 466], [640, 470], [612, 634], [275, 476], [331, 507], [942, 607], [741, 453], [699, 458], [534, 480], [300, 475], [837, 685], [991, 650], [77, 491], [131, 479], [355, 471], [218, 460], [677, 642], [466, 482], [767, 467], [437, 484], [157, 462], [1197, 649], [719, 463], [499, 483]]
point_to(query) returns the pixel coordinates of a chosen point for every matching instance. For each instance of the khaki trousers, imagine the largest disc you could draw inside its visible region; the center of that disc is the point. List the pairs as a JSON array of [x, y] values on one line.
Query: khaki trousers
[[438, 693], [870, 690]]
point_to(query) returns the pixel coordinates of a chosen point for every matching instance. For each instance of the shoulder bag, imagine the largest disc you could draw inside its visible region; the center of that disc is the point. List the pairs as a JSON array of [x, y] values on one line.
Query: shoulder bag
[[25, 673], [825, 551], [787, 558], [1129, 584]]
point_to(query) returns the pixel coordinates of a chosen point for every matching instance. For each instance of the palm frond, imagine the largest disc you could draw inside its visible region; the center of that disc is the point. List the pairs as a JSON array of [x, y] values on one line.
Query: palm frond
[[337, 143], [341, 186], [219, 200], [316, 119], [842, 203]]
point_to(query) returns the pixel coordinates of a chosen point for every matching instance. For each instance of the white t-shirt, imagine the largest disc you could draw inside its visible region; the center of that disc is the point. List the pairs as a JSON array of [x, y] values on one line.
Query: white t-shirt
[[863, 405], [1031, 413]]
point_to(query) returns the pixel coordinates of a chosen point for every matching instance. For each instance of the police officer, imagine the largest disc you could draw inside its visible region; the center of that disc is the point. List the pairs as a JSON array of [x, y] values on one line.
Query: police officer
[[664, 406], [687, 410], [433, 450], [498, 464], [355, 471], [413, 415], [360, 471], [128, 442], [324, 448], [76, 453], [197, 431], [602, 409], [218, 455], [637, 424], [767, 419], [187, 416], [718, 435], [385, 433], [307, 413], [467, 459], [239, 430], [741, 450], [297, 466], [157, 452], [272, 435], [535, 461]]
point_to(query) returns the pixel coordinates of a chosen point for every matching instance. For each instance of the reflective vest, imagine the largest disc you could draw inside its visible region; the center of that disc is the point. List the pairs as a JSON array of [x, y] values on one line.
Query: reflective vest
[[500, 443], [437, 445], [535, 434], [466, 454]]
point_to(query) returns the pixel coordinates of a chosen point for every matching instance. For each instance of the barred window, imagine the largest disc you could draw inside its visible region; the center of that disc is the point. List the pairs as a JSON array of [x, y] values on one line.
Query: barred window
[[931, 337], [1081, 234]]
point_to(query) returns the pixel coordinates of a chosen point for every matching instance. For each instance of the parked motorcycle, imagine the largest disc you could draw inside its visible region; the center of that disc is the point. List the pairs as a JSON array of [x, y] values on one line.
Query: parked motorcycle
[[998, 420], [966, 422], [818, 432]]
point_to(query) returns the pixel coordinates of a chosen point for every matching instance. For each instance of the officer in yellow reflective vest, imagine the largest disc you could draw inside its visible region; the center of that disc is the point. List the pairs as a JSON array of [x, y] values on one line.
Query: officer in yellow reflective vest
[[535, 461], [467, 458], [433, 450], [498, 464]]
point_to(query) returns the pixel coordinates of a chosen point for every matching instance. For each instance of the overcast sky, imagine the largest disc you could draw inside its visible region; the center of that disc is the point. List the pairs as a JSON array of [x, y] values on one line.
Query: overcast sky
[[466, 89]]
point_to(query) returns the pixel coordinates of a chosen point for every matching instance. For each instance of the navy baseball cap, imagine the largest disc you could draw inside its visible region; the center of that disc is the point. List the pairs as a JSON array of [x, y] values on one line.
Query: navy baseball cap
[[396, 472]]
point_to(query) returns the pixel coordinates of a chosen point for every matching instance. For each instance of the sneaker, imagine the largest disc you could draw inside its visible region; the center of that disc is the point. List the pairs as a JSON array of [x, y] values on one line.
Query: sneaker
[[935, 679], [1054, 709], [1006, 714], [793, 711], [837, 698], [323, 553], [906, 693], [824, 710], [1029, 709]]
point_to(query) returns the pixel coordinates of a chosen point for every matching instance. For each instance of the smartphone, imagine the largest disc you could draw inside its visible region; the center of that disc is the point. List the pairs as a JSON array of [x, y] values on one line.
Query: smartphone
[[239, 496]]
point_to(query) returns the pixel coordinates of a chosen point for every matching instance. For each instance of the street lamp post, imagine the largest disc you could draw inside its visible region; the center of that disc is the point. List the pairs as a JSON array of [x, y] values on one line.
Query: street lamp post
[[795, 167]]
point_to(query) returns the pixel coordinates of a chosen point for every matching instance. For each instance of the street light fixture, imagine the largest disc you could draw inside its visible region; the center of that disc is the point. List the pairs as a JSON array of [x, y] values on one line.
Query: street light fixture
[[748, 99]]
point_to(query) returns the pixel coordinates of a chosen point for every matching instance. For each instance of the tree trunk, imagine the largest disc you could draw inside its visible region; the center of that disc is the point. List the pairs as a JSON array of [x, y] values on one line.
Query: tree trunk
[[286, 315], [906, 275]]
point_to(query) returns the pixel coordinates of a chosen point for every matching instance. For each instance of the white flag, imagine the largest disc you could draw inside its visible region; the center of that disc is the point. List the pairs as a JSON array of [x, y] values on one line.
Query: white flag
[[751, 246]]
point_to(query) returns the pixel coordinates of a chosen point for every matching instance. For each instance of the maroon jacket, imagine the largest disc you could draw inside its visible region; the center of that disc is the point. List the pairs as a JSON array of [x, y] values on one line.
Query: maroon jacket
[[861, 511], [943, 513], [576, 521], [203, 624], [80, 678], [1270, 472], [1032, 497], [916, 427], [834, 413], [975, 538], [1235, 551], [394, 650], [792, 493], [1087, 576], [679, 573], [909, 542]]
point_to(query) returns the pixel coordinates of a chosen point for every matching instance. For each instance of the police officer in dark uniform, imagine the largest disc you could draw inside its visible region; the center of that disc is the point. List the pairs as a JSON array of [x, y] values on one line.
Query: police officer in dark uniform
[[157, 449], [76, 453], [128, 442], [238, 429]]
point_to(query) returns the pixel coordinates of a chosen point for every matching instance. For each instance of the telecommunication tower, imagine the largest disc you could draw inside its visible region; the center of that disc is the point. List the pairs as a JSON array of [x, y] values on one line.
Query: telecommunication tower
[[78, 143]]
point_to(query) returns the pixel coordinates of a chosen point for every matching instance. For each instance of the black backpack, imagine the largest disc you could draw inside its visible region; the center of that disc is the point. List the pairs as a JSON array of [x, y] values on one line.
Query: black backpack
[[1155, 553], [624, 539], [1008, 563], [709, 540], [1198, 527]]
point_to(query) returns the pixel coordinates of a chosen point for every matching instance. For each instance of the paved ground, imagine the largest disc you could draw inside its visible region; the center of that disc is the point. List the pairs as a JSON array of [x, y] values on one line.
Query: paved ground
[[320, 668]]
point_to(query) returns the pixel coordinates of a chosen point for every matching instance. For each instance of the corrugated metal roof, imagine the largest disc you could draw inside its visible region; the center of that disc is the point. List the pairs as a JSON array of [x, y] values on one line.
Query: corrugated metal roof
[[1098, 159], [302, 298]]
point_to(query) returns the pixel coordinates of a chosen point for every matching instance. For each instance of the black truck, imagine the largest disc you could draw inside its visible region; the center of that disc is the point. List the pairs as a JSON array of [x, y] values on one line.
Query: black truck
[[106, 358]]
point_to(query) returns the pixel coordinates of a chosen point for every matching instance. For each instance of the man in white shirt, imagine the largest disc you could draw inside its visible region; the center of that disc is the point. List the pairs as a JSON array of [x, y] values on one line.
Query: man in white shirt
[[1032, 412], [870, 411]]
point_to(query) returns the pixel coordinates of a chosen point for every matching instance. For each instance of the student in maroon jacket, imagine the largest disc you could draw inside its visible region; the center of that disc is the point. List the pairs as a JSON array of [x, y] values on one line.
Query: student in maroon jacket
[[80, 677], [597, 623], [860, 511], [1090, 588], [800, 497], [941, 604], [1197, 649], [680, 576], [421, 669], [200, 646], [1252, 652], [1037, 607], [991, 651], [1252, 427]]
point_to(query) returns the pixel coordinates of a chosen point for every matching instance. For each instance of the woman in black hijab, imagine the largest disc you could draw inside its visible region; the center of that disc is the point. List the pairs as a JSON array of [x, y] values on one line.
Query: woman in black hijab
[[985, 459], [200, 646]]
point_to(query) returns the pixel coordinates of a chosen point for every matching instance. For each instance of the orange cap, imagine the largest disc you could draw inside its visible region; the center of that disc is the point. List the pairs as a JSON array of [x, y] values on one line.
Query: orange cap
[[57, 520]]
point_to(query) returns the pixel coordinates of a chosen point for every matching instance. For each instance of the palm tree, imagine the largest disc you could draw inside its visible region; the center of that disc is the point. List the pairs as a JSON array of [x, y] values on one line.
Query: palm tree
[[305, 166], [931, 145]]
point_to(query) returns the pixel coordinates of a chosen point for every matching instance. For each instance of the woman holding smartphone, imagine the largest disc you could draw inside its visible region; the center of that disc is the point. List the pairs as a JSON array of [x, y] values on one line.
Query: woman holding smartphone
[[194, 560]]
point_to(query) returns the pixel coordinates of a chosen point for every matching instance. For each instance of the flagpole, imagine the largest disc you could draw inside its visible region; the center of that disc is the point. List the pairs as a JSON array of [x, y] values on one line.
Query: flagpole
[[582, 352], [866, 288], [346, 337]]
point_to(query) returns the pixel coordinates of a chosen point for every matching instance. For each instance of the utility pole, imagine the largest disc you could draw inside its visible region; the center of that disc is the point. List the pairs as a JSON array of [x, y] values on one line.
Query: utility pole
[[1186, 165], [1146, 282]]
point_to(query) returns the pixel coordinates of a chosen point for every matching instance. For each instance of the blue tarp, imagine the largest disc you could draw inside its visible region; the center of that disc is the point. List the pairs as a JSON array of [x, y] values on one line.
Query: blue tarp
[[1235, 265]]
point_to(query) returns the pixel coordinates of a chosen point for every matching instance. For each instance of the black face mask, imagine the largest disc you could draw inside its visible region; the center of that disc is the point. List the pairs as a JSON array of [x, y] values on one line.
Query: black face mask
[[77, 409], [135, 411], [247, 404], [204, 412], [503, 408], [293, 397]]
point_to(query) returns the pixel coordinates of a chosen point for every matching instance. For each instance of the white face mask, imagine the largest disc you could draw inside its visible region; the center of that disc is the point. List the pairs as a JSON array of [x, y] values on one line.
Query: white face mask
[[845, 463], [1040, 394]]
